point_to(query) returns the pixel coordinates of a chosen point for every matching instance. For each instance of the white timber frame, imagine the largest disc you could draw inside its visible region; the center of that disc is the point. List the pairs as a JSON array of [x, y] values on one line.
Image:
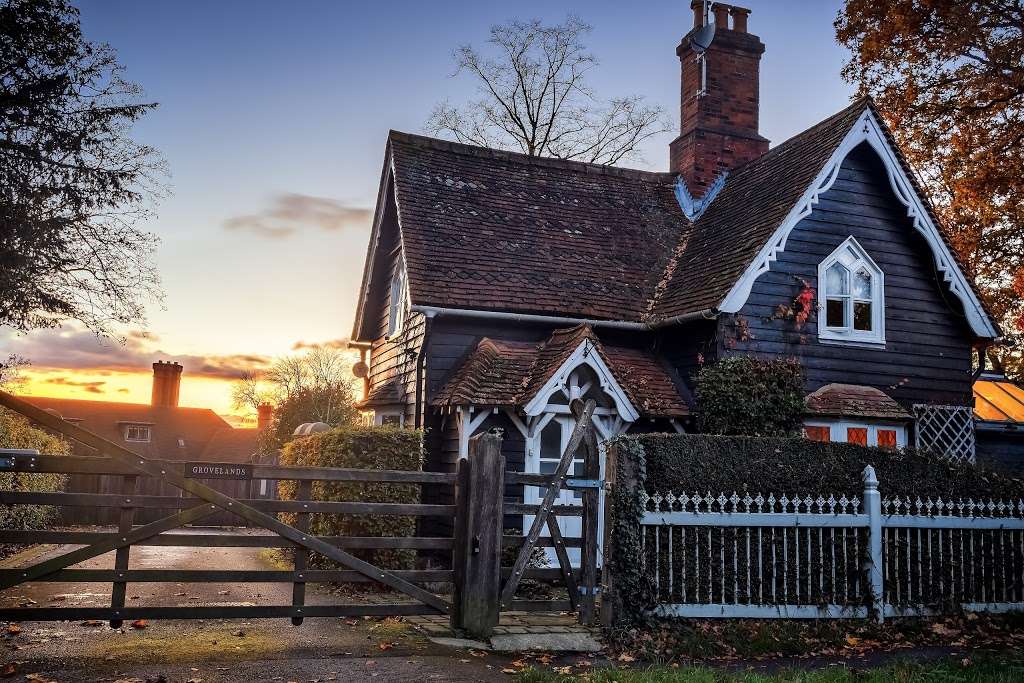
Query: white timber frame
[[838, 429], [868, 129]]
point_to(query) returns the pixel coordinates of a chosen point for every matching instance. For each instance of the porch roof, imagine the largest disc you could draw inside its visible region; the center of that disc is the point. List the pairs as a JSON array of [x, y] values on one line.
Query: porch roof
[[854, 400]]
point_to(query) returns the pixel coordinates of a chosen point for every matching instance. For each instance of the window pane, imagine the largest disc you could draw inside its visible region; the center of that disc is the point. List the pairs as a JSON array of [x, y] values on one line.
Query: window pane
[[551, 441], [862, 284], [887, 438], [835, 313], [548, 466], [857, 435], [818, 433], [862, 316], [837, 279]]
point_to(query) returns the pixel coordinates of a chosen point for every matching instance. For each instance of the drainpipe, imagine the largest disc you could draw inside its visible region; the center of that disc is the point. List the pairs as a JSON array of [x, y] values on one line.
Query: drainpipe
[[706, 314], [982, 357], [421, 361]]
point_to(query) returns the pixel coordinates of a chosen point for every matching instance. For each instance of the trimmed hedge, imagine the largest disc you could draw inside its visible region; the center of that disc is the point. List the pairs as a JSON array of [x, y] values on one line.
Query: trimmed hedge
[[375, 448], [753, 396], [17, 432]]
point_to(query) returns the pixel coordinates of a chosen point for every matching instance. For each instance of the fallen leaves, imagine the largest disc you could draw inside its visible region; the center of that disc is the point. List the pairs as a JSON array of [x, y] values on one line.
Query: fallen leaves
[[9, 670], [140, 624], [13, 630]]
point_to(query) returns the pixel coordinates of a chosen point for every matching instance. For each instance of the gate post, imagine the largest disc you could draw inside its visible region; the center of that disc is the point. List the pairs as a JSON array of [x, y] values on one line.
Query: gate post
[[873, 508], [622, 478], [478, 531]]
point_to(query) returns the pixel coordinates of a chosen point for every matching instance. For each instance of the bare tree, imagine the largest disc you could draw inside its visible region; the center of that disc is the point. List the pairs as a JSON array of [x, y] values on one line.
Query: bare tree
[[534, 98]]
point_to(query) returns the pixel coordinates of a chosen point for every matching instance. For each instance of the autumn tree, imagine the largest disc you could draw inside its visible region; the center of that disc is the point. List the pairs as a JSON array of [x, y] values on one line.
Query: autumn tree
[[533, 98], [948, 76], [74, 185]]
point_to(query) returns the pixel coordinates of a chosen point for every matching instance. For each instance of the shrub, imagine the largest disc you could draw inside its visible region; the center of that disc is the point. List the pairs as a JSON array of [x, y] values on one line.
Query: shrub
[[380, 448], [745, 395], [16, 432]]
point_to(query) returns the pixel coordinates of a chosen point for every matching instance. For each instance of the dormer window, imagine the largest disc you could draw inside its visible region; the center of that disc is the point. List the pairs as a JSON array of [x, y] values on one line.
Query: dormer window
[[851, 297], [138, 433], [396, 311]]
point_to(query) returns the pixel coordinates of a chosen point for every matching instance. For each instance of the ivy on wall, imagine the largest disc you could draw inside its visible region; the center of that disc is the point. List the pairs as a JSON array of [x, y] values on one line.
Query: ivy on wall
[[747, 395]]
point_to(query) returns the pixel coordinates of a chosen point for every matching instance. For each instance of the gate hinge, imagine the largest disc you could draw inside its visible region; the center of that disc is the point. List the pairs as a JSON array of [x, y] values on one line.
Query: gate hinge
[[590, 591], [584, 483]]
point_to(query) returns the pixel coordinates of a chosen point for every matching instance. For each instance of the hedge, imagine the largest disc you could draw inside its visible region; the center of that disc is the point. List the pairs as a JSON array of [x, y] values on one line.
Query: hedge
[[17, 432], [379, 448], [753, 396], [720, 464]]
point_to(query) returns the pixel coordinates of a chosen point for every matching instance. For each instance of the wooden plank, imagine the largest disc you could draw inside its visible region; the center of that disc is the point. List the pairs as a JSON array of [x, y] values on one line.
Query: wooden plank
[[177, 502], [212, 612], [540, 519], [556, 510], [129, 483], [588, 555], [22, 537], [542, 542], [231, 576], [564, 565], [461, 541], [113, 542], [301, 560], [217, 498]]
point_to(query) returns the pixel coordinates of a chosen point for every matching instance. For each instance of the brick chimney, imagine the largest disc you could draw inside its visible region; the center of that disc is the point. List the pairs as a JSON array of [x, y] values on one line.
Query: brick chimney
[[166, 384], [718, 129], [264, 413]]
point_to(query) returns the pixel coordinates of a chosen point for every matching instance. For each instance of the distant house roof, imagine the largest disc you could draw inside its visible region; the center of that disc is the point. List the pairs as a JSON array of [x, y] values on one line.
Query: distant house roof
[[176, 433], [232, 445], [997, 399], [387, 394], [854, 400], [508, 373], [491, 230]]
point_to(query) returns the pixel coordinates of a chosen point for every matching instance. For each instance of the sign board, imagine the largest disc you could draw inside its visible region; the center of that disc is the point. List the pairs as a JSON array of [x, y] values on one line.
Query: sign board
[[218, 470]]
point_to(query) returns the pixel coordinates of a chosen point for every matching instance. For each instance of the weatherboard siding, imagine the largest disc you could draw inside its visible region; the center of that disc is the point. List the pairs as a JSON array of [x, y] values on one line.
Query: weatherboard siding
[[927, 354]]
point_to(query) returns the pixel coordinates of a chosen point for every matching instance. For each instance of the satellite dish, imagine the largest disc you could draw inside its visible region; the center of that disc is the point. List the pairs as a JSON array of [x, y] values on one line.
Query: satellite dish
[[701, 40], [360, 369]]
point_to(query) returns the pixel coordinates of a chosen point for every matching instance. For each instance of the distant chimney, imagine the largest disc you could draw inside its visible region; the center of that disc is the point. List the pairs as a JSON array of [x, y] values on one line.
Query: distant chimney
[[719, 123], [166, 384], [264, 413]]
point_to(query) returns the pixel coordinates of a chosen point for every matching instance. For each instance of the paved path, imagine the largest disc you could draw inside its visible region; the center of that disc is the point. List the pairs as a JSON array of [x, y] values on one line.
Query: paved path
[[323, 649]]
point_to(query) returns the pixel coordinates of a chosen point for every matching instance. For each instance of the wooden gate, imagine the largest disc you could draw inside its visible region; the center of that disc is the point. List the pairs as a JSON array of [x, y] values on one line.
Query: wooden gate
[[198, 502], [483, 587]]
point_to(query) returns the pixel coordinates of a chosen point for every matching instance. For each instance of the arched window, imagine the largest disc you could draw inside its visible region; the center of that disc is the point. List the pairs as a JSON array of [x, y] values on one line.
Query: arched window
[[396, 310], [851, 296]]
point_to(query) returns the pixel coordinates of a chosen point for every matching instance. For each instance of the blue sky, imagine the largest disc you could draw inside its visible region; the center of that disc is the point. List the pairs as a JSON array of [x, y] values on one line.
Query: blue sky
[[262, 99]]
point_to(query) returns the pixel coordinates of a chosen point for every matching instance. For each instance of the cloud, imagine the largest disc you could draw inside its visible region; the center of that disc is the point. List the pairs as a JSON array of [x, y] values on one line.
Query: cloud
[[95, 387], [290, 212], [73, 348], [329, 344]]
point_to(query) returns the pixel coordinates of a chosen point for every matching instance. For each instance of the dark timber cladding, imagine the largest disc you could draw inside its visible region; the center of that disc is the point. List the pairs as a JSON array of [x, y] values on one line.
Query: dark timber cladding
[[927, 354]]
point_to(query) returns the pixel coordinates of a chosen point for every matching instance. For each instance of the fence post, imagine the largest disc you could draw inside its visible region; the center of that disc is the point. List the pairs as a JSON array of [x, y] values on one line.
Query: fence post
[[620, 473], [478, 537], [873, 507]]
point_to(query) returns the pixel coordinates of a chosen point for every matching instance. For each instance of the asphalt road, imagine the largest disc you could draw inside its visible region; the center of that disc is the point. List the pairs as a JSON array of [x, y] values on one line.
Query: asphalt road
[[321, 649]]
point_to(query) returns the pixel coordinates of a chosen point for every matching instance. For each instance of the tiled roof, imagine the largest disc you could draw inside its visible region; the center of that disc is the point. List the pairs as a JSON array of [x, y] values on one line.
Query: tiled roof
[[386, 394], [998, 400], [177, 433], [854, 400], [502, 373], [232, 445]]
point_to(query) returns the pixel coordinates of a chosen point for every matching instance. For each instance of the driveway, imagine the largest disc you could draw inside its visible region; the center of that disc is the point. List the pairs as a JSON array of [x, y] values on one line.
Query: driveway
[[322, 649]]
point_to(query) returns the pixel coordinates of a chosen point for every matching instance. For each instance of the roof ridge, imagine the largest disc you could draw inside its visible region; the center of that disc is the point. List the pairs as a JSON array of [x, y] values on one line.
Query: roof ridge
[[551, 162]]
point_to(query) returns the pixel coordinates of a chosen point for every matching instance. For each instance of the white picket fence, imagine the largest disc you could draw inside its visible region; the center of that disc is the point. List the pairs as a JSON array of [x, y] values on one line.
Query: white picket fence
[[827, 557]]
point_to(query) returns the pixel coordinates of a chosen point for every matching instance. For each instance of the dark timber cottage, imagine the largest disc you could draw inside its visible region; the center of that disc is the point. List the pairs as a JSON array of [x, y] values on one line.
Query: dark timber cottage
[[499, 286]]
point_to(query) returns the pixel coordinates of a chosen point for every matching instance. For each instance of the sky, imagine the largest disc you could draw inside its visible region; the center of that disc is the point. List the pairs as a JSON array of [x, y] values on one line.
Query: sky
[[272, 119]]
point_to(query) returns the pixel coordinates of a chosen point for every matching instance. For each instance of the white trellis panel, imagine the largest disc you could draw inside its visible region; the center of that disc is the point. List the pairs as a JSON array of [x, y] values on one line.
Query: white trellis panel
[[947, 431]]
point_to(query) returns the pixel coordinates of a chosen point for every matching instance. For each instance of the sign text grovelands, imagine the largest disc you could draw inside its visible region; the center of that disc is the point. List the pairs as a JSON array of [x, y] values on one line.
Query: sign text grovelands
[[218, 470]]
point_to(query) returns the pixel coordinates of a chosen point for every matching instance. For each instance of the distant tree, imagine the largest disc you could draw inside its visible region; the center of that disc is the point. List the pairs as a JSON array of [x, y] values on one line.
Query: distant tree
[[73, 184], [534, 98], [949, 78], [315, 386]]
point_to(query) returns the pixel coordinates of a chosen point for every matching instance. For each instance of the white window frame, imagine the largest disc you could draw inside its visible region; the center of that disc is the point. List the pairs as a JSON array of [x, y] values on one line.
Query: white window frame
[[379, 415], [145, 429], [837, 430], [397, 303], [852, 257]]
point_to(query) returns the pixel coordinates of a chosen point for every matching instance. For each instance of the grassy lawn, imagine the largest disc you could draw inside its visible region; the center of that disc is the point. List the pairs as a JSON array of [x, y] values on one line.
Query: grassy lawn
[[987, 668]]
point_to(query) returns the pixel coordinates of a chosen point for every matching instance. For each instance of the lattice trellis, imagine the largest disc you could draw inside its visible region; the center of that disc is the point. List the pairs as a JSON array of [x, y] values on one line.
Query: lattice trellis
[[946, 431]]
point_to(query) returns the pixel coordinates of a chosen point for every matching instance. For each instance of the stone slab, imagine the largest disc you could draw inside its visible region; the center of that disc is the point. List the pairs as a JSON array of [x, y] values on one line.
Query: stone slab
[[547, 642], [461, 643]]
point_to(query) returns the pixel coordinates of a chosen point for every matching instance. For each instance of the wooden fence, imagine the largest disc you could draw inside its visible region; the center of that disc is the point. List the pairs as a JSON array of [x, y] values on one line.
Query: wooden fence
[[827, 557]]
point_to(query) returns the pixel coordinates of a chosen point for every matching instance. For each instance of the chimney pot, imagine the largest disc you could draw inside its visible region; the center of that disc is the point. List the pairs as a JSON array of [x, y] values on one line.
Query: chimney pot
[[739, 19], [698, 13], [166, 384], [721, 16]]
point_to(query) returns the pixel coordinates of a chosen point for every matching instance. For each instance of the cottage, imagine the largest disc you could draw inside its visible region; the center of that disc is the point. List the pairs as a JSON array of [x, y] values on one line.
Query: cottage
[[499, 286]]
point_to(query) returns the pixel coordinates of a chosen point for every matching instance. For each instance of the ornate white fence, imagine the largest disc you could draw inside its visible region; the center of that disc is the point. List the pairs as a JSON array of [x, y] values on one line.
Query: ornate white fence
[[818, 557]]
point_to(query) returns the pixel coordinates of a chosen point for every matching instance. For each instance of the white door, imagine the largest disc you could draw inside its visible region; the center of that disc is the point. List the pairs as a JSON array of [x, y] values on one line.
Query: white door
[[545, 453]]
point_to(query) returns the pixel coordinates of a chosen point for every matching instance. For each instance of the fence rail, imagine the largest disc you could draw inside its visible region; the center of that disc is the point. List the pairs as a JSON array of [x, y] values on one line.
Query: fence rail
[[828, 557]]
